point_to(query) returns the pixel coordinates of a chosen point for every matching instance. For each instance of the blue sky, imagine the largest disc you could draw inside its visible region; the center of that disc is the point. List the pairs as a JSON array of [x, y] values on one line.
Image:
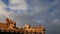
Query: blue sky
[[34, 12]]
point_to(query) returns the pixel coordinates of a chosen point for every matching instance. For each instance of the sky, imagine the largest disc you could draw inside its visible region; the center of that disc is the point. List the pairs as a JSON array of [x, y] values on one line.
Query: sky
[[33, 12]]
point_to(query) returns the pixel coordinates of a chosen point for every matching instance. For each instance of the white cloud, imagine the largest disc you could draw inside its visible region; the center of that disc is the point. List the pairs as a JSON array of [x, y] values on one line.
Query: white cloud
[[3, 11], [18, 5], [49, 19]]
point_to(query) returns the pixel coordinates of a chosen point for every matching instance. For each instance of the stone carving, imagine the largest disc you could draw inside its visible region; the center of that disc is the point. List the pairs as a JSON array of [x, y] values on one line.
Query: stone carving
[[10, 26]]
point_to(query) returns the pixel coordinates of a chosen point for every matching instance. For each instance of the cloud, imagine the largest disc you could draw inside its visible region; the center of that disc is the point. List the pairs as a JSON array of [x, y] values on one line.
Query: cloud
[[3, 10], [18, 5], [39, 11], [49, 13], [53, 18]]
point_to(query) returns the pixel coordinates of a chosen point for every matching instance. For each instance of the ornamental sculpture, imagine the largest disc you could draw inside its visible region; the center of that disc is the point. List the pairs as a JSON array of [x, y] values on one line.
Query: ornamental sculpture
[[10, 27]]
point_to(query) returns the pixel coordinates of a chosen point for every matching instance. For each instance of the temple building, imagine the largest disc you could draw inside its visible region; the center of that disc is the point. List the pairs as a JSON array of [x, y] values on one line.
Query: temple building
[[9, 27]]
